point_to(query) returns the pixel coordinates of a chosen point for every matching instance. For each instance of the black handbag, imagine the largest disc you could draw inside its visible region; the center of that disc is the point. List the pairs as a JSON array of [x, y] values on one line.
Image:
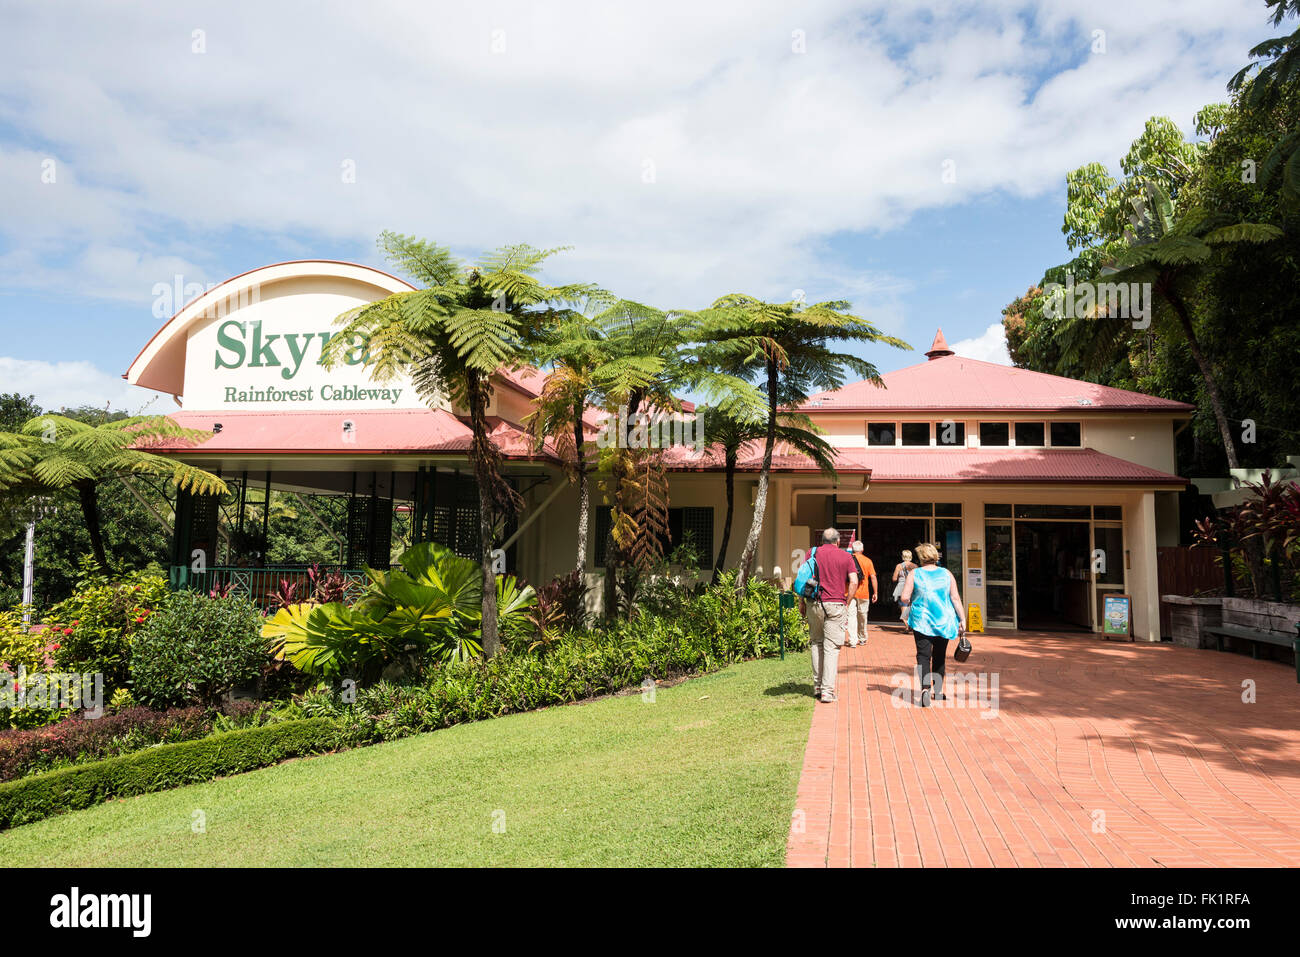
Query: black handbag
[[963, 649]]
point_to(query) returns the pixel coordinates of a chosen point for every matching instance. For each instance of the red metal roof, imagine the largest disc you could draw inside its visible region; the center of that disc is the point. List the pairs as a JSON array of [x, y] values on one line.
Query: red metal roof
[[371, 432], [1084, 466], [956, 383], [1006, 465]]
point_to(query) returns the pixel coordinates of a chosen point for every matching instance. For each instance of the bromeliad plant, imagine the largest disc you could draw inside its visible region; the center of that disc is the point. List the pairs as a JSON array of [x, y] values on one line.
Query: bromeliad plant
[[427, 612]]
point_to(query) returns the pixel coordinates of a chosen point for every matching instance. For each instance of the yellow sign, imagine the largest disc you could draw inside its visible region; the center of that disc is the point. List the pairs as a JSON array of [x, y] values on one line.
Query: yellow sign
[[974, 620]]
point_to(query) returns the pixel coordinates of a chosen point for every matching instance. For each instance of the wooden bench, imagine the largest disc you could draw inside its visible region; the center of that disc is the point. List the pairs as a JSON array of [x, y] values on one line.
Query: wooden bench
[[1257, 638]]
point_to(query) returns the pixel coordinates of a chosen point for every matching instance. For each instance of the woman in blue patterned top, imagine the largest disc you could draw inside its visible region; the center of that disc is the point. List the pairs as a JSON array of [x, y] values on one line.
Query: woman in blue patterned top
[[936, 617]]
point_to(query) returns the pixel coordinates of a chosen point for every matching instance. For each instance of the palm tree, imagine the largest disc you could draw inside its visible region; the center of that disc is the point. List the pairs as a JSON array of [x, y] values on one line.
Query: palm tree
[[572, 347], [788, 347], [452, 336], [54, 452], [646, 359], [1274, 66], [732, 433], [1172, 263]]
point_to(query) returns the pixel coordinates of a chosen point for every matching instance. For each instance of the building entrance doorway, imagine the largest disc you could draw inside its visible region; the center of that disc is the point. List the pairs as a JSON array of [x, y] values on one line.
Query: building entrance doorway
[[883, 540], [1053, 575]]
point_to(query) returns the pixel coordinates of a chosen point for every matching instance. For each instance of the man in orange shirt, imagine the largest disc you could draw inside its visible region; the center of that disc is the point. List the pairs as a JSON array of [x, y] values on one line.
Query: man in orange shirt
[[860, 605]]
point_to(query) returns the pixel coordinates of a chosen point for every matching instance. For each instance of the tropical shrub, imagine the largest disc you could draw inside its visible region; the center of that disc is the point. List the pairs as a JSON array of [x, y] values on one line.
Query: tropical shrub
[[561, 607], [25, 657], [94, 627], [157, 769], [79, 739], [18, 646], [722, 627], [426, 612], [1261, 535], [196, 649]]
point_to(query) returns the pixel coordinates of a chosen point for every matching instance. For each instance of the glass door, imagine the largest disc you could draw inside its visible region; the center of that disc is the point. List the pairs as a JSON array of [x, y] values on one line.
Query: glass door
[[1107, 565], [883, 541], [999, 574]]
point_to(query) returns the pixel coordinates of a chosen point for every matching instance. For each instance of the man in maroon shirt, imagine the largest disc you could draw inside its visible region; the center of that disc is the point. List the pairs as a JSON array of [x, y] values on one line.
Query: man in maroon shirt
[[828, 618]]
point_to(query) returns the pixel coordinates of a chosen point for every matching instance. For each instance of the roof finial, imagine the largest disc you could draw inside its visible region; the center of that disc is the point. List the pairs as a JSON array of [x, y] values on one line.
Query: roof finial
[[939, 348]]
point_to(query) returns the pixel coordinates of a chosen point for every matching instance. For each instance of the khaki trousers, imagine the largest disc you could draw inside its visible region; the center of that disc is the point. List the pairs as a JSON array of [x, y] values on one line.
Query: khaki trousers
[[826, 627], [859, 610]]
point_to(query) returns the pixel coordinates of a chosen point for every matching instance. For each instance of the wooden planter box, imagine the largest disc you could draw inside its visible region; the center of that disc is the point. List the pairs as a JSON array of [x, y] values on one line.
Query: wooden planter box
[[1189, 617]]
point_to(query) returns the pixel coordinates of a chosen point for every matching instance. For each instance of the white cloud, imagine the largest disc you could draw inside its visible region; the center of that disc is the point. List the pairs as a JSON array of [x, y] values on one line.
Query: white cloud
[[991, 346], [58, 385], [759, 154]]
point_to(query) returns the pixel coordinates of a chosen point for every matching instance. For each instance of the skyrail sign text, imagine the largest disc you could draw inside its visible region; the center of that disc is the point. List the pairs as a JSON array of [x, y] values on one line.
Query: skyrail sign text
[[265, 364]]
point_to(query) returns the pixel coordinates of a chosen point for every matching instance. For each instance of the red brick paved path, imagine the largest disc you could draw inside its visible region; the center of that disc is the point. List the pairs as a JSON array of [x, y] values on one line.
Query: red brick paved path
[[1102, 754]]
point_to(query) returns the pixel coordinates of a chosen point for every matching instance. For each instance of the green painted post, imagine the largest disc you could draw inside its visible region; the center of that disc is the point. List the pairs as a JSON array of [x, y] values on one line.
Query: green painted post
[[786, 600]]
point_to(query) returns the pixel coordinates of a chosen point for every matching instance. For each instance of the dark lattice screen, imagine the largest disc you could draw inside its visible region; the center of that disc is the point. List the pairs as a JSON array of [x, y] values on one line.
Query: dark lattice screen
[[203, 526], [370, 531], [453, 514], [468, 540], [697, 521], [604, 518]]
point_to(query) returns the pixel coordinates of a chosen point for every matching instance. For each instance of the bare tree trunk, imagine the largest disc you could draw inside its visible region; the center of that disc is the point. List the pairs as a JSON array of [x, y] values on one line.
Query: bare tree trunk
[[1211, 386], [613, 558], [760, 500], [584, 493], [485, 475], [90, 512], [731, 510]]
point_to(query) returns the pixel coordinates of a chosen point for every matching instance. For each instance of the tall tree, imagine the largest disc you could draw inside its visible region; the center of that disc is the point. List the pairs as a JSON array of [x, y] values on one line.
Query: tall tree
[[649, 358], [1172, 265], [572, 346], [452, 336], [790, 348], [730, 434], [54, 452]]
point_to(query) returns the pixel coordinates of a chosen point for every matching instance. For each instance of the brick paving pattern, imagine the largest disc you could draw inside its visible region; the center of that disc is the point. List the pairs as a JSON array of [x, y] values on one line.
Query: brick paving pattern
[[1101, 754]]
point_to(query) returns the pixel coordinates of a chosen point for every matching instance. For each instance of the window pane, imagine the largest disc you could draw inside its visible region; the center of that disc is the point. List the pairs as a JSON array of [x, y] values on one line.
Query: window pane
[[916, 433], [1107, 513], [1030, 433], [880, 433], [997, 511], [1083, 512], [1000, 603], [949, 509], [1109, 543], [947, 534], [849, 509], [950, 433], [1066, 433], [998, 553], [896, 508], [994, 433]]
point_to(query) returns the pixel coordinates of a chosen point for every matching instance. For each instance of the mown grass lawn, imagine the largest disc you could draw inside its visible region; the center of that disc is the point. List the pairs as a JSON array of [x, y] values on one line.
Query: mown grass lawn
[[705, 775]]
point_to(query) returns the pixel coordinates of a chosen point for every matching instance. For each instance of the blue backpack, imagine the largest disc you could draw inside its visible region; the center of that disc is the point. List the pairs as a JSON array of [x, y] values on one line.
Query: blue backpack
[[807, 583]]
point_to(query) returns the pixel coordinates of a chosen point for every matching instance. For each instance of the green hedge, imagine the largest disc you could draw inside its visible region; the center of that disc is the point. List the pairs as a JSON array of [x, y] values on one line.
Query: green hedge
[[157, 769]]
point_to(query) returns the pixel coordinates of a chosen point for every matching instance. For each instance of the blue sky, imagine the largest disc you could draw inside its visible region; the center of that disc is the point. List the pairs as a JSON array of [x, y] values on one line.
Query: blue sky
[[684, 152]]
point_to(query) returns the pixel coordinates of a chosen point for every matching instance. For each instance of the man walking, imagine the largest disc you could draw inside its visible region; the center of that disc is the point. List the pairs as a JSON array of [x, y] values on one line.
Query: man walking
[[868, 592], [828, 617]]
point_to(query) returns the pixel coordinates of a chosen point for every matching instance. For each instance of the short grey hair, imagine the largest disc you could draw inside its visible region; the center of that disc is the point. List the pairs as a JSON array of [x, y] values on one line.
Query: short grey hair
[[830, 535], [857, 545]]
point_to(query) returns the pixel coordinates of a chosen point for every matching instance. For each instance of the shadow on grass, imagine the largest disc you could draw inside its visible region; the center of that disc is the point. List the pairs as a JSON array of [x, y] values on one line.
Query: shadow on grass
[[790, 687]]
